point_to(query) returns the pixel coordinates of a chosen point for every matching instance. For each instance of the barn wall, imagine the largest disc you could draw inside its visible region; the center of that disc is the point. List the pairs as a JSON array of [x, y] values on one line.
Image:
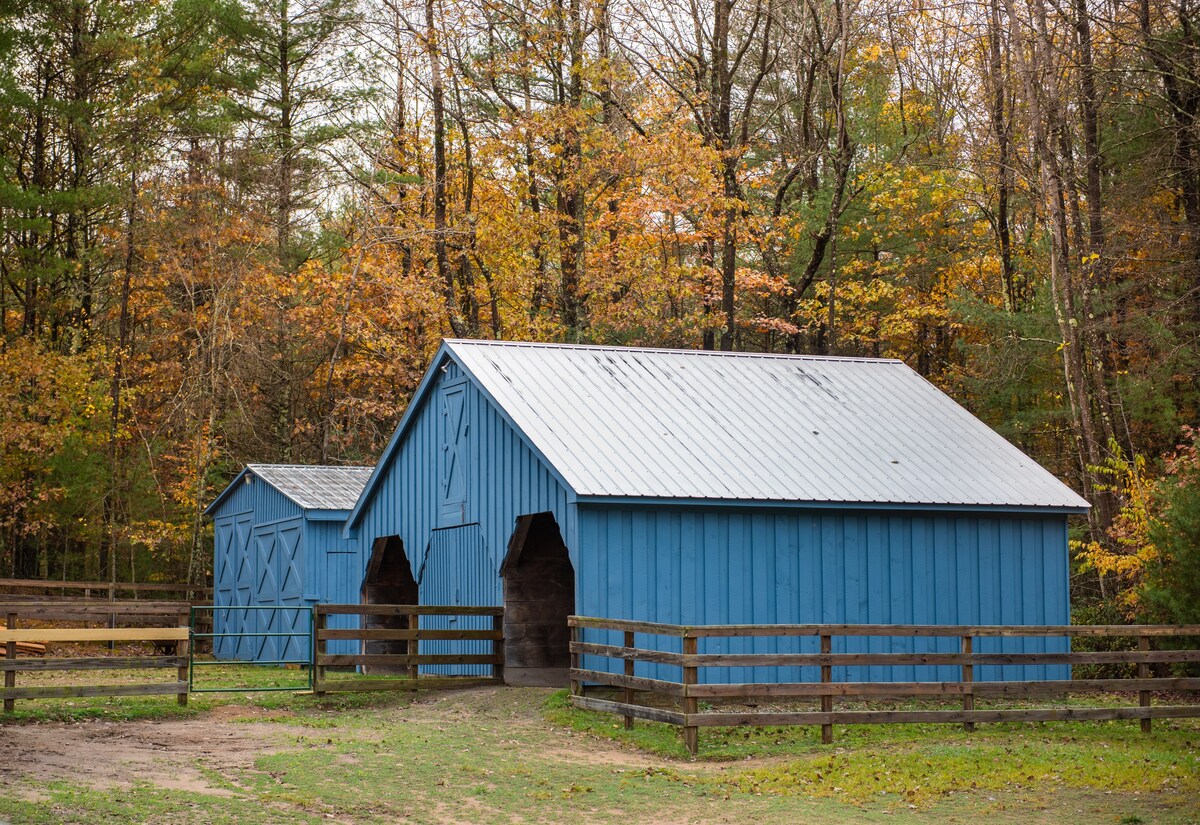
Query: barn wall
[[693, 566], [501, 479], [335, 566], [456, 516]]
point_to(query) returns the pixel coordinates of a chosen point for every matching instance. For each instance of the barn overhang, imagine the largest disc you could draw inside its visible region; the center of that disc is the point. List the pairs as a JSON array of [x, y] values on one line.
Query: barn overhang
[[303, 499], [325, 515]]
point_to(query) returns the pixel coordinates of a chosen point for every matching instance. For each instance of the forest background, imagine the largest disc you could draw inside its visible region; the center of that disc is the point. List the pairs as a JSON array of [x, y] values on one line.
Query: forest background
[[236, 230]]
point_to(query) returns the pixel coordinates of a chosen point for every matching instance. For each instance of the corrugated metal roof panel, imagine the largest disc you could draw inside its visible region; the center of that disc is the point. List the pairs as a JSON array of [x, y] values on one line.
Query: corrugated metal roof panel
[[315, 487], [679, 424]]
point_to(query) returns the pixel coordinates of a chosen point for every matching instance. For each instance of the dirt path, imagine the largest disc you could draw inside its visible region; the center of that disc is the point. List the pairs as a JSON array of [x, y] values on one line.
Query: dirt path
[[187, 754], [466, 756], [168, 754]]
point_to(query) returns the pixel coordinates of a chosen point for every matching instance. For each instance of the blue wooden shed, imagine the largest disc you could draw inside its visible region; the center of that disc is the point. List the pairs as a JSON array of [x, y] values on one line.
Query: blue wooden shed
[[703, 488], [278, 543]]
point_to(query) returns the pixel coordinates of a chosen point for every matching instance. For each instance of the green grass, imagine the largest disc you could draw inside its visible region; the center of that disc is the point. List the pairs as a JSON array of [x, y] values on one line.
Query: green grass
[[504, 755]]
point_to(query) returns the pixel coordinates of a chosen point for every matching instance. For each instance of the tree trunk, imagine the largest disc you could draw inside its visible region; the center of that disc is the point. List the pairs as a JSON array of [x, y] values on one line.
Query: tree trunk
[[286, 146], [437, 96], [1038, 72]]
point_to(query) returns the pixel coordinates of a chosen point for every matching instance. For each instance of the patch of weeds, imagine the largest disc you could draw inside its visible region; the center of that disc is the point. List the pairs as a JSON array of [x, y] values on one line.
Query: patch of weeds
[[574, 790], [920, 774]]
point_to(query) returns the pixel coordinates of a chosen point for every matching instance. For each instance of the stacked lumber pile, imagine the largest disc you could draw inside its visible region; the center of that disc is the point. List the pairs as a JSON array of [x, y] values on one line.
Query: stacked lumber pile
[[28, 648]]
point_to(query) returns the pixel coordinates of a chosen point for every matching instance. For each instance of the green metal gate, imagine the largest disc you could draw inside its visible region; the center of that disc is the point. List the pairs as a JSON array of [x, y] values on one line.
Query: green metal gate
[[284, 632]]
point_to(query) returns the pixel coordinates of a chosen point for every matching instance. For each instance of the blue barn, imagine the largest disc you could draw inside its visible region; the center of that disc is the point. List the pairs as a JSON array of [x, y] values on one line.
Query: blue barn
[[278, 543], [711, 488]]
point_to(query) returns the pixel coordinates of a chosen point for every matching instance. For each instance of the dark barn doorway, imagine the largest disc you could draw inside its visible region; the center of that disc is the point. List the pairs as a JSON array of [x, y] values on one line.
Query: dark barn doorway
[[539, 595], [388, 580]]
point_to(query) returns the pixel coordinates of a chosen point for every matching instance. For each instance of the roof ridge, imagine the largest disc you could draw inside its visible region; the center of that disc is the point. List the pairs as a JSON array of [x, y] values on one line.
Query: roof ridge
[[668, 351]]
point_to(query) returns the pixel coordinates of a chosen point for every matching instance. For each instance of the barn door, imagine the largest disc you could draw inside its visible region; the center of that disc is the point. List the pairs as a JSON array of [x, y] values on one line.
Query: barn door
[[289, 560], [279, 563], [457, 570], [243, 621], [231, 535], [265, 587], [454, 461]]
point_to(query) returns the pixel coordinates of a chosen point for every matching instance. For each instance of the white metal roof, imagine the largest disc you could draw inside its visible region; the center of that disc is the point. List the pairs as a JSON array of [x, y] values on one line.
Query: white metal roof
[[680, 424], [315, 487]]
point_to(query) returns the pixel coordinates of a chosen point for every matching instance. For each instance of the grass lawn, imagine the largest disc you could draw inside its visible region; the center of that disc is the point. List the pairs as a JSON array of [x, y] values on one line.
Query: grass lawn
[[523, 755]]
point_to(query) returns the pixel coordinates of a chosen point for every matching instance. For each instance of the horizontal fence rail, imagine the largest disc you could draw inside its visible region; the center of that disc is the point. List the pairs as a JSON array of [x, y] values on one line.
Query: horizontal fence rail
[[408, 635], [85, 610], [682, 697], [112, 591], [176, 639]]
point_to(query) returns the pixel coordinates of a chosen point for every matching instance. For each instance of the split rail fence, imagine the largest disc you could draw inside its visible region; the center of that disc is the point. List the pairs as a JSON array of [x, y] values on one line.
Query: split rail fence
[[112, 591], [677, 702], [168, 631], [409, 634]]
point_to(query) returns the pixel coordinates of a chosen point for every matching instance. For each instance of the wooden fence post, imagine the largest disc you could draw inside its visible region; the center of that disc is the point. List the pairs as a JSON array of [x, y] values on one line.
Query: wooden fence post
[[319, 621], [10, 676], [691, 733], [498, 648], [414, 646], [576, 638], [112, 618], [627, 695], [1143, 672], [968, 677], [183, 649], [827, 698]]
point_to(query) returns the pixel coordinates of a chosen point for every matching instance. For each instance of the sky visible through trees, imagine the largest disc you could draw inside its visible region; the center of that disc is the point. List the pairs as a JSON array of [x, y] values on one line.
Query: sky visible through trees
[[235, 230]]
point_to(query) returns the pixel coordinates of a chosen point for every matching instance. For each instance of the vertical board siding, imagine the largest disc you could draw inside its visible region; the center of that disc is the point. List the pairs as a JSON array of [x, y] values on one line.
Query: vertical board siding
[[506, 480], [337, 564], [457, 569], [258, 509], [775, 567]]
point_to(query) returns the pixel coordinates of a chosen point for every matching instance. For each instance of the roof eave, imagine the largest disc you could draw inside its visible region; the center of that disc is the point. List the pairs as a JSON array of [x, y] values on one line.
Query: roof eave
[[793, 504], [511, 422], [228, 491]]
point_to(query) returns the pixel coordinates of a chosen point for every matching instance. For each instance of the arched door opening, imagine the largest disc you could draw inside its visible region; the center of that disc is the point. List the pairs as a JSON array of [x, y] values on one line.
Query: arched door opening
[[539, 595], [388, 580]]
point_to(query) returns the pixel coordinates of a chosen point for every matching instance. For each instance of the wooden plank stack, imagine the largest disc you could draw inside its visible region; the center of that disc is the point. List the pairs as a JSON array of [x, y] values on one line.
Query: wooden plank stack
[[27, 648]]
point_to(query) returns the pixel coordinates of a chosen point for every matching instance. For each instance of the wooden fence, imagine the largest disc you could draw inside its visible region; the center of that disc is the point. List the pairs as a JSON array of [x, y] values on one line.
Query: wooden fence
[[176, 639], [677, 703], [111, 591], [410, 633]]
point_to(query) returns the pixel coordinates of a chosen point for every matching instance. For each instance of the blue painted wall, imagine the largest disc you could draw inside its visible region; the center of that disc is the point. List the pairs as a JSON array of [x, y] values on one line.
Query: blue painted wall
[[270, 552], [461, 475], [453, 492], [696, 566], [500, 479]]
